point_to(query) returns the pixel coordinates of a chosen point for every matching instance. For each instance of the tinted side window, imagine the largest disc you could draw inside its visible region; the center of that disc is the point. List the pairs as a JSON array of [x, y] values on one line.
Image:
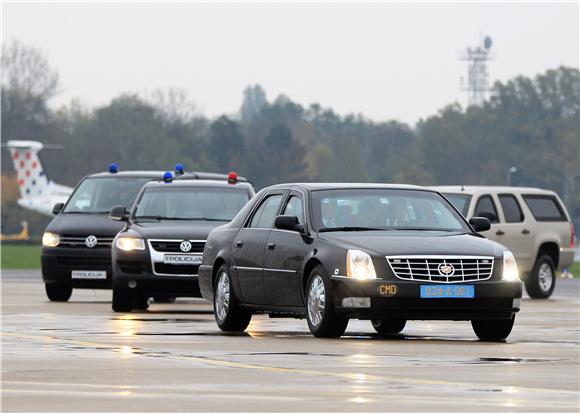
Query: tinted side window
[[266, 212], [545, 208], [486, 208], [294, 207], [511, 208]]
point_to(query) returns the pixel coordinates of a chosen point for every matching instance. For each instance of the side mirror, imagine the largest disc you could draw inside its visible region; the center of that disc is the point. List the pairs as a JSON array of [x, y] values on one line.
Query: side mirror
[[289, 223], [489, 215], [57, 208], [119, 213], [480, 224]]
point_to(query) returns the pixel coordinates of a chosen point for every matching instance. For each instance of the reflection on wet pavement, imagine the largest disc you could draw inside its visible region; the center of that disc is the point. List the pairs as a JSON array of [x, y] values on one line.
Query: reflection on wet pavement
[[77, 355]]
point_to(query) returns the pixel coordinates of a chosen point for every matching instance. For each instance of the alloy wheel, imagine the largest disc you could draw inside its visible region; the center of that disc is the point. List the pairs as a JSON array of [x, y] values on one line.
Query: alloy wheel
[[316, 300], [546, 277], [222, 296]]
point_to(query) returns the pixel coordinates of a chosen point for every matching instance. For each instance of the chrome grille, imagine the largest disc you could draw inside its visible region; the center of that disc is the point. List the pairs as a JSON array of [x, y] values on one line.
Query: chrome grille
[[79, 241], [441, 269], [173, 246]]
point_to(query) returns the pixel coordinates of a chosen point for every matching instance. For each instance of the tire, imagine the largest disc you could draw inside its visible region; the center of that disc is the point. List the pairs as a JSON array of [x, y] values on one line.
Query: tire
[[386, 327], [228, 314], [492, 330], [322, 319], [540, 283], [59, 292], [122, 300], [140, 302], [164, 300]]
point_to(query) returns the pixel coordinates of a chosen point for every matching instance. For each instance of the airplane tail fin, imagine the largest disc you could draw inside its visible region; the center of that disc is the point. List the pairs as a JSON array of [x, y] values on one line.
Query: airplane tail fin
[[32, 179]]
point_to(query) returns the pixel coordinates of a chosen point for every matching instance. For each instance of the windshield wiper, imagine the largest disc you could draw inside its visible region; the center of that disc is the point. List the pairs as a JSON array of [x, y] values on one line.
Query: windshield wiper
[[159, 218], [422, 229], [86, 212], [340, 229]]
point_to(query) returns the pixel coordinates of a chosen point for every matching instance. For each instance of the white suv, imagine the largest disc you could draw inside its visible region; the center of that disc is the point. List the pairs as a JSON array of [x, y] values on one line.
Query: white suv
[[533, 223]]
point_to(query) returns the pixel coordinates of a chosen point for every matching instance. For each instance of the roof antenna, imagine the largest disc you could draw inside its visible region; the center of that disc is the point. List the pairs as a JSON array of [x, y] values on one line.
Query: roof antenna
[[462, 188]]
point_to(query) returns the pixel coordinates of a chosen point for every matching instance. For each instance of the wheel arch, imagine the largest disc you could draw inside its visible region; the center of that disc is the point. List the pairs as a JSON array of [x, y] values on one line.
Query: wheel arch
[[551, 249], [219, 261], [310, 264]]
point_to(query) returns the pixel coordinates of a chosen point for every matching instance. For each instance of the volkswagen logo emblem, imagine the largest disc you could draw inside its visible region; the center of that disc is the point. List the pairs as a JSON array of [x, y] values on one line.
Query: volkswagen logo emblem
[[185, 246], [446, 269], [91, 241]]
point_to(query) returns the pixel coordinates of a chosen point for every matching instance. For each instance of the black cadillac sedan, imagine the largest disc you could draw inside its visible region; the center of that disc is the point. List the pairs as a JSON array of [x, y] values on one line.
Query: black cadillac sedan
[[332, 252]]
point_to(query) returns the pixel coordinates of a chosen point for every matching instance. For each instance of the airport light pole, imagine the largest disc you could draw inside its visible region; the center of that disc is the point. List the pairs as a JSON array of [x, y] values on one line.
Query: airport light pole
[[510, 171]]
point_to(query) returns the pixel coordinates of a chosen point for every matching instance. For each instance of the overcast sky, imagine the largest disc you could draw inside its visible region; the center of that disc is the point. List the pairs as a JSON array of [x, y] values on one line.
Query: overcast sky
[[386, 61]]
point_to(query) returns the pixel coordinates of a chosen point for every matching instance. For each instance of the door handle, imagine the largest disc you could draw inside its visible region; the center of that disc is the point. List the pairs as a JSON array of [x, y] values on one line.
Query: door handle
[[271, 245], [499, 232], [239, 244], [525, 231]]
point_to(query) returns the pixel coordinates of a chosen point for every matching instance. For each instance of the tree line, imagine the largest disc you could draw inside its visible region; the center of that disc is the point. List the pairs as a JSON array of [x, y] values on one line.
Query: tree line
[[529, 123]]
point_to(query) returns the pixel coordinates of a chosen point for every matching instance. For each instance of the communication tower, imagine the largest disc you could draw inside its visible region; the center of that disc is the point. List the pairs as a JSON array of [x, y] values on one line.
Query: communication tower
[[477, 76]]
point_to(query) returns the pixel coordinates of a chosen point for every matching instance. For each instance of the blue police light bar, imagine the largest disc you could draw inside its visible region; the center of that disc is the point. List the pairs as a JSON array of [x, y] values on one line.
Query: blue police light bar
[[113, 168], [179, 169], [167, 177]]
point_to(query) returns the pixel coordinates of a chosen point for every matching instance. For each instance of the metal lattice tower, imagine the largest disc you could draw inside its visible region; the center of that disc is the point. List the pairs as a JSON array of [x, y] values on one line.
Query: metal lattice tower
[[477, 75]]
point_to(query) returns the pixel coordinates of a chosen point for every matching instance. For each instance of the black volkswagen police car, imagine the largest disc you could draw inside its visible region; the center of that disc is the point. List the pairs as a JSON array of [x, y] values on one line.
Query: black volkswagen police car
[[76, 246], [159, 250], [331, 252]]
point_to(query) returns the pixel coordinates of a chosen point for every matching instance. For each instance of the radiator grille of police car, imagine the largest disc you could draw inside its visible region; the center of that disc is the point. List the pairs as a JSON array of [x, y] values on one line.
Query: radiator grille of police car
[[442, 269], [85, 241], [174, 246]]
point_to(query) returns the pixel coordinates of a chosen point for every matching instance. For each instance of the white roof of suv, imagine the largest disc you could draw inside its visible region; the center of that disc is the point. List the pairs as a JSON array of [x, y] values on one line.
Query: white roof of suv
[[476, 189]]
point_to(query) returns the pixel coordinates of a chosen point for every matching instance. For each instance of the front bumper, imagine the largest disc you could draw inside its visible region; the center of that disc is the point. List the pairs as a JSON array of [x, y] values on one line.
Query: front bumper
[[134, 271], [58, 263], [401, 299]]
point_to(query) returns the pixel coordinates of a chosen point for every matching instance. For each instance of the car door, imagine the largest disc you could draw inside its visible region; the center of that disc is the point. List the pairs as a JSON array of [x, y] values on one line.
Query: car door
[[249, 246], [514, 229], [485, 207], [284, 257]]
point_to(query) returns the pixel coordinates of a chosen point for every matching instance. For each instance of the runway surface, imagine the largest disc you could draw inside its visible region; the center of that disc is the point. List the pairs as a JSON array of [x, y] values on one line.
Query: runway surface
[[80, 356]]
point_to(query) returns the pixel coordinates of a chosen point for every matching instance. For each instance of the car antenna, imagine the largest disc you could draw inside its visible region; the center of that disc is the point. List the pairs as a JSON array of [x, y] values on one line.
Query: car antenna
[[462, 188]]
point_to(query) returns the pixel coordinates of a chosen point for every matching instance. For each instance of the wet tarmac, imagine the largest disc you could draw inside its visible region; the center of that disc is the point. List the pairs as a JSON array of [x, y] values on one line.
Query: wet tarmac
[[80, 356]]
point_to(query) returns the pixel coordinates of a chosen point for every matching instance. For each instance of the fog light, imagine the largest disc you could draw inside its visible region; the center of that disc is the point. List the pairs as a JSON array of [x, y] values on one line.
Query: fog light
[[517, 302], [356, 302], [132, 284]]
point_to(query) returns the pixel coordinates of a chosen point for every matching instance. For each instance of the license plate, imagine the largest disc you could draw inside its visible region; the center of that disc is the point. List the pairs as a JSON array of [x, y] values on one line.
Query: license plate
[[89, 275], [447, 291], [182, 259]]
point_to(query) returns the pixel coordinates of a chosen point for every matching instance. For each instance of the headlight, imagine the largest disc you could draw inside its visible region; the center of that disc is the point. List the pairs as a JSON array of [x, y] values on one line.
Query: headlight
[[50, 239], [359, 265], [130, 244], [510, 268]]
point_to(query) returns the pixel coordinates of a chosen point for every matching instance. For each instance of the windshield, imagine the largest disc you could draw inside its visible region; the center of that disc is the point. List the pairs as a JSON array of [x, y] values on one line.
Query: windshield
[[364, 209], [99, 195], [459, 201], [190, 203]]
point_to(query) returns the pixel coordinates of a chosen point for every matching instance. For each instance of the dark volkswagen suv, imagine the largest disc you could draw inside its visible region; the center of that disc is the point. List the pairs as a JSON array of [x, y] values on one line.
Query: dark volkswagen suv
[[158, 252]]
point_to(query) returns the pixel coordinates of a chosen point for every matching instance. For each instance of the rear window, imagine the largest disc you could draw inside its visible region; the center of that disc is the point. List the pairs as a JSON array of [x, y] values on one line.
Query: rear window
[[511, 208], [545, 208]]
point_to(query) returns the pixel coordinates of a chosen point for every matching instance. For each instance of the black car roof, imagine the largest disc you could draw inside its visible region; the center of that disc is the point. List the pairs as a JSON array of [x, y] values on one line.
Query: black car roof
[[319, 186], [159, 174]]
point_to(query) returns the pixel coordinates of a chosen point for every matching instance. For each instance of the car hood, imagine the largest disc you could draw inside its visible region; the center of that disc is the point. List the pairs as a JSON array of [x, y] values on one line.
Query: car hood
[[382, 243], [85, 224], [175, 229]]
